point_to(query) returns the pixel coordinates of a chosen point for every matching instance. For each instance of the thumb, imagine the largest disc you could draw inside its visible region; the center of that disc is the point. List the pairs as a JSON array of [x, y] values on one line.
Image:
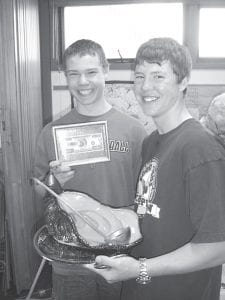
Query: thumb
[[54, 164], [103, 262], [99, 263], [101, 259]]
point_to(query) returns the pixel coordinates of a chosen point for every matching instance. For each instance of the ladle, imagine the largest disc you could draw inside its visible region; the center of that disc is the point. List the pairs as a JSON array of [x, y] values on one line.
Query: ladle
[[118, 237]]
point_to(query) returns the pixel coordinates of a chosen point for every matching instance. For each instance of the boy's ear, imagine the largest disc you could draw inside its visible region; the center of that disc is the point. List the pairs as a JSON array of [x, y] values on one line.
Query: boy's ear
[[183, 85]]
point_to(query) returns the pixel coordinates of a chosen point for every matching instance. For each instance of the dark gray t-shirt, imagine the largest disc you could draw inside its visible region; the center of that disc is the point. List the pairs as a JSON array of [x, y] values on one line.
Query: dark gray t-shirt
[[183, 175]]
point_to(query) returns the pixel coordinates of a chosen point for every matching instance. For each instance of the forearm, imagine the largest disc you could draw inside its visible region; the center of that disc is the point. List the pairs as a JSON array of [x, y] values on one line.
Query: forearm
[[189, 258]]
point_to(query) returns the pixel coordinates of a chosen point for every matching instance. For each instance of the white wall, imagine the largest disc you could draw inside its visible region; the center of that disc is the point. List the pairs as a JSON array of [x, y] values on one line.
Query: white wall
[[197, 76]]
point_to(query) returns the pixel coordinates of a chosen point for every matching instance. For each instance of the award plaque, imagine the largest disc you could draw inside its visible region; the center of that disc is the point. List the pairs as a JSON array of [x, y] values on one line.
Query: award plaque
[[82, 143]]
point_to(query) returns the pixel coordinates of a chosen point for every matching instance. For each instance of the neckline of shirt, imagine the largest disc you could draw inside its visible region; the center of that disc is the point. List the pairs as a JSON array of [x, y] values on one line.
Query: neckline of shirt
[[92, 118], [173, 131]]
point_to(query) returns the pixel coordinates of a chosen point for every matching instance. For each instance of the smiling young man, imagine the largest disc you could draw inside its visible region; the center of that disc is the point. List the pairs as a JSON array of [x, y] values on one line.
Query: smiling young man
[[112, 182], [181, 192]]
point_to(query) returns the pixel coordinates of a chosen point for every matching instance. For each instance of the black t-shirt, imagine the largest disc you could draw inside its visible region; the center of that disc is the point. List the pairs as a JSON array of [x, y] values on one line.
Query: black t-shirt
[[183, 175]]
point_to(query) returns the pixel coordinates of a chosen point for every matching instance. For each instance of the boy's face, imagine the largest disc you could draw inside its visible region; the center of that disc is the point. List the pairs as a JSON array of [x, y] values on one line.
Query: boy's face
[[156, 88], [86, 79]]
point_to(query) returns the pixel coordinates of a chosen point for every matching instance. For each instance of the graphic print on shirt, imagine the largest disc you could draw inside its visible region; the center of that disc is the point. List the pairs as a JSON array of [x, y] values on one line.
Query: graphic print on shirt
[[146, 190], [118, 146]]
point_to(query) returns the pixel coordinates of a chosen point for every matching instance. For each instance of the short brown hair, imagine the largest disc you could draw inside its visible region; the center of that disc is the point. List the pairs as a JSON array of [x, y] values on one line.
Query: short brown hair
[[83, 47], [157, 50]]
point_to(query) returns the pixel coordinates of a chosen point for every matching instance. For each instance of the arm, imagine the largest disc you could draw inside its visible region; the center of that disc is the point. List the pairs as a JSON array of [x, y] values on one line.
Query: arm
[[207, 249], [45, 161], [189, 258]]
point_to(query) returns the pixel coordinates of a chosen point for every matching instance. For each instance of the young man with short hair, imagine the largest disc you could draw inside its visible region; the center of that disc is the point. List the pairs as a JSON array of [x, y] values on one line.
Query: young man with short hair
[[112, 182], [181, 192]]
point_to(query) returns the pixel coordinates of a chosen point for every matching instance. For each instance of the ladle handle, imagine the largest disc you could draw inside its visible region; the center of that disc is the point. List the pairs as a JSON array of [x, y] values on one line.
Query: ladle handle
[[84, 218], [87, 220]]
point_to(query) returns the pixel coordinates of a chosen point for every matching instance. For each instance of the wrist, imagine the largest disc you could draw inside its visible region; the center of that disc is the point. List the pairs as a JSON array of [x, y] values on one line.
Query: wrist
[[143, 277]]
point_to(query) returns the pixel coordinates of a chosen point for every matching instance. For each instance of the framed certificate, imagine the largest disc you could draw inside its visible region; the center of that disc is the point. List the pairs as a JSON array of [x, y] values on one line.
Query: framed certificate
[[82, 143]]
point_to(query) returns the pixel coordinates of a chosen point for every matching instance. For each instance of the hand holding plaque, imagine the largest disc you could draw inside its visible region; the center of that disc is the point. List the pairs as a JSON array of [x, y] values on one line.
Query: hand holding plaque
[[62, 173]]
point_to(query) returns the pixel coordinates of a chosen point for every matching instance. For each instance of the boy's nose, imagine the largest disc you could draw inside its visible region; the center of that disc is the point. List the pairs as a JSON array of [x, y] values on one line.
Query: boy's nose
[[83, 79], [147, 84]]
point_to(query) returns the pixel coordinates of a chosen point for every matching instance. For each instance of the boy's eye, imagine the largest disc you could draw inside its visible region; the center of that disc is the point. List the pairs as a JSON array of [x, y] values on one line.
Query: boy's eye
[[158, 76], [72, 74], [139, 76], [91, 73]]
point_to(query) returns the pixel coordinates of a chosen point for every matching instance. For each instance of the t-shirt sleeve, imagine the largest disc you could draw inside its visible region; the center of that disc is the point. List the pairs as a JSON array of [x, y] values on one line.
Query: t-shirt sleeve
[[44, 153], [206, 198]]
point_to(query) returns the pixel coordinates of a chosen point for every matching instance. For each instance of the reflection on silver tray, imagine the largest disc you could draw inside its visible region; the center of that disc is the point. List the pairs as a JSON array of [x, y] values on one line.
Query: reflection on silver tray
[[46, 246], [81, 143], [65, 238]]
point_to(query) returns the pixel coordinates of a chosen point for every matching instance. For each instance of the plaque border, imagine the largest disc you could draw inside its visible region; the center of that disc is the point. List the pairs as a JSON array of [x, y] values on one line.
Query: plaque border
[[86, 160]]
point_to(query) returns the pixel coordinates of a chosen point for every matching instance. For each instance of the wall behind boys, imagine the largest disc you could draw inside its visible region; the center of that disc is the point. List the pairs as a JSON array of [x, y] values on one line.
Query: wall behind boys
[[204, 86]]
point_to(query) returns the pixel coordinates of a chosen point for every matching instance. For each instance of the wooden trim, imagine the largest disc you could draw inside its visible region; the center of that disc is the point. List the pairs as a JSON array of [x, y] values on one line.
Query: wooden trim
[[191, 30], [46, 58]]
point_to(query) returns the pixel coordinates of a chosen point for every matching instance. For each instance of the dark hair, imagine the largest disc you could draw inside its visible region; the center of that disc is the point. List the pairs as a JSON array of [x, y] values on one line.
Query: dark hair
[[157, 50], [83, 47]]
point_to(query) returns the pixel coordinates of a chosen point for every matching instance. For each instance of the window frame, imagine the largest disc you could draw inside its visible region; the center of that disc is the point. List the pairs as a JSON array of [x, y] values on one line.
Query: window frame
[[191, 12]]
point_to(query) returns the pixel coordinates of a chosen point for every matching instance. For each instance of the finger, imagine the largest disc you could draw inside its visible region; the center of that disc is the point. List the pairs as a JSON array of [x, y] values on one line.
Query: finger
[[89, 266], [63, 177], [103, 262], [100, 261], [68, 173], [58, 166], [104, 272], [64, 168], [106, 262], [54, 163], [97, 268]]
